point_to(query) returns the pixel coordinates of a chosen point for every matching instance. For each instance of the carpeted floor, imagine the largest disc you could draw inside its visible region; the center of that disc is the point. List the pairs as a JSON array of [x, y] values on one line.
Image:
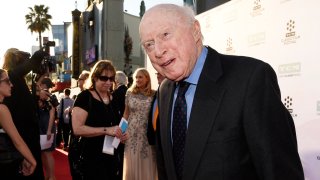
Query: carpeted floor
[[62, 171]]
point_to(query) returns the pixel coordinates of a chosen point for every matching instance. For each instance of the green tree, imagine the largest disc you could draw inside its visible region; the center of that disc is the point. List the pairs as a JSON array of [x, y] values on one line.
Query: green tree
[[142, 9], [38, 20]]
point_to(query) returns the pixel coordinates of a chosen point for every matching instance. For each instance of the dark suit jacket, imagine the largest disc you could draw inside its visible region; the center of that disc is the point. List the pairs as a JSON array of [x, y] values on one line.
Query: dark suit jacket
[[119, 96], [150, 131], [238, 129]]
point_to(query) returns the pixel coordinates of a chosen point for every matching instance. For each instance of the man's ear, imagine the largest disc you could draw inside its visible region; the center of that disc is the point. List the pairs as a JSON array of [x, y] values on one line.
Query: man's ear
[[197, 31]]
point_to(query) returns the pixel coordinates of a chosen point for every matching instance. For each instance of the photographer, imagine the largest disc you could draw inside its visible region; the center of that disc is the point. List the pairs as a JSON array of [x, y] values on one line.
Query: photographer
[[22, 104]]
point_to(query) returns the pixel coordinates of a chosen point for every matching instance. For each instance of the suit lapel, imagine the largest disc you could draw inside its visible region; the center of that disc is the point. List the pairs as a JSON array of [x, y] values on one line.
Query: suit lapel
[[166, 98], [205, 107]]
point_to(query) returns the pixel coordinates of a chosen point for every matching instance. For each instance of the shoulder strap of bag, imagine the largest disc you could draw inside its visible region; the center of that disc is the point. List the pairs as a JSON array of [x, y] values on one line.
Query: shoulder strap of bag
[[110, 105]]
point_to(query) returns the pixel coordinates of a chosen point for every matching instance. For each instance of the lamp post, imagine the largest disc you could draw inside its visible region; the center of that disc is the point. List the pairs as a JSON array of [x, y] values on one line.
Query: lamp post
[[76, 43]]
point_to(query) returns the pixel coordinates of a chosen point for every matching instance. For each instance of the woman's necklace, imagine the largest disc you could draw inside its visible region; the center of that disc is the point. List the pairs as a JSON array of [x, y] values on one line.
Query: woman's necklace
[[106, 101]]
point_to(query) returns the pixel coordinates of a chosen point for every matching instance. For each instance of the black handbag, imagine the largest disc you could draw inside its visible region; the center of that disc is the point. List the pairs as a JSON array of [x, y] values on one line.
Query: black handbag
[[76, 158], [8, 153]]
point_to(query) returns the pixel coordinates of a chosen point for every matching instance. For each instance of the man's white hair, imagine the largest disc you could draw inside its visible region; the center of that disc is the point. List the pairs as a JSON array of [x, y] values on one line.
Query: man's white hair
[[121, 78]]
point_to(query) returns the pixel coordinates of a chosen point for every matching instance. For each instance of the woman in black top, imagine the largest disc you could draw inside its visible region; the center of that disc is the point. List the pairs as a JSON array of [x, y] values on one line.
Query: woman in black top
[[93, 117], [21, 166]]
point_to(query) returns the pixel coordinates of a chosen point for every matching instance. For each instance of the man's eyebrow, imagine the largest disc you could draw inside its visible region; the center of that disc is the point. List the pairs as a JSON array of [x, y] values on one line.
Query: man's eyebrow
[[146, 41]]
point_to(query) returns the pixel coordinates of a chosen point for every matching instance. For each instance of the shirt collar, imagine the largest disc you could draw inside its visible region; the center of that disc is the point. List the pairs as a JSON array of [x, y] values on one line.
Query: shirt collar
[[194, 76]]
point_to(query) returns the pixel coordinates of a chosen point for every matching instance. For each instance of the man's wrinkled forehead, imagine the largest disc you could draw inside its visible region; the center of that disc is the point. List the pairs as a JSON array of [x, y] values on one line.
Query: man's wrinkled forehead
[[159, 17]]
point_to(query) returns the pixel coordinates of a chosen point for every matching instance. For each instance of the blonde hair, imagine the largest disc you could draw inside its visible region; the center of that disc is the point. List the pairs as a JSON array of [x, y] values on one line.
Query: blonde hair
[[13, 57], [2, 71], [135, 90], [85, 74], [97, 70]]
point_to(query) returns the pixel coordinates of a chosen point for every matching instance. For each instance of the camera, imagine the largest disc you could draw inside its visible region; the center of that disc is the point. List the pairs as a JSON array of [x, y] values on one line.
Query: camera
[[48, 63], [53, 100]]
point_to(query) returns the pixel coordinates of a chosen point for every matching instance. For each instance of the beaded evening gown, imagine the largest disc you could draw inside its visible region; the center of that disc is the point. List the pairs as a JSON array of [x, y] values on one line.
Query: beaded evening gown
[[139, 156]]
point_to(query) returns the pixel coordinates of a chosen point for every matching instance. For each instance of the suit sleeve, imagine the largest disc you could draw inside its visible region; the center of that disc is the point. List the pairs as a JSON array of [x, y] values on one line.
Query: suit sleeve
[[162, 174], [269, 128], [150, 130]]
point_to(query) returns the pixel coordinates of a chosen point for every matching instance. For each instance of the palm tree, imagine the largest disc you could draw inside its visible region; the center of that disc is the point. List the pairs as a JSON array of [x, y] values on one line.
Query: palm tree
[[38, 20]]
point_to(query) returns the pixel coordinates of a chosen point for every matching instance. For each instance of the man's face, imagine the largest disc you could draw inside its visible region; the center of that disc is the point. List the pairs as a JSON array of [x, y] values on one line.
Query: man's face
[[170, 42], [160, 78]]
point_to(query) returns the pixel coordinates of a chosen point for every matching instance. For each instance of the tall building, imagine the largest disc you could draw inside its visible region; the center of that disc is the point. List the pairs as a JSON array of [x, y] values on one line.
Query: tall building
[[102, 35], [62, 77]]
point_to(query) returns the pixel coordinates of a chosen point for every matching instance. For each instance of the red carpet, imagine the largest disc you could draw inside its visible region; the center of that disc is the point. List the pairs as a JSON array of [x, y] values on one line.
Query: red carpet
[[62, 171]]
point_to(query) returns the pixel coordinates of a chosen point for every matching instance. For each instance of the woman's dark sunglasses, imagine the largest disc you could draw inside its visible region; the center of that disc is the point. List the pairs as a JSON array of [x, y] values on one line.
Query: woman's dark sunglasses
[[7, 80], [106, 78]]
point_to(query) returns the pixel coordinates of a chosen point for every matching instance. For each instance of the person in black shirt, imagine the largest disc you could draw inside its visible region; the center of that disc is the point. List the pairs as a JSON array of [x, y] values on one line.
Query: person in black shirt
[[93, 117], [22, 104]]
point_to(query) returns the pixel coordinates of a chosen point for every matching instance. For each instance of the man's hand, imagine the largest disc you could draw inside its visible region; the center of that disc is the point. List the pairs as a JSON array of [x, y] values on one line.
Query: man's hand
[[44, 94]]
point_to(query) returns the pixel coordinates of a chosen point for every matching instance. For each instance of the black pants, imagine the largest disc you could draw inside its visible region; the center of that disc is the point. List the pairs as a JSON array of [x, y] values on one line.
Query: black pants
[[65, 134], [59, 133]]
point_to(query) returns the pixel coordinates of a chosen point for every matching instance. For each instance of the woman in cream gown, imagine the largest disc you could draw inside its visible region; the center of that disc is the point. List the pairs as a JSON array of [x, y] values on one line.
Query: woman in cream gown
[[139, 156]]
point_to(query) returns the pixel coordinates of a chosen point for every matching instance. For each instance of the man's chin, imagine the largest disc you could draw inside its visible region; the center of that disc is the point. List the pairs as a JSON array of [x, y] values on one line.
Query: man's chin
[[174, 77]]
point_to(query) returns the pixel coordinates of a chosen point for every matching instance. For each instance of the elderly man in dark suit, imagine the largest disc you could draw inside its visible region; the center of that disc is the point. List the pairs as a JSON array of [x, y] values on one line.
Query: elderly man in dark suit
[[221, 116]]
